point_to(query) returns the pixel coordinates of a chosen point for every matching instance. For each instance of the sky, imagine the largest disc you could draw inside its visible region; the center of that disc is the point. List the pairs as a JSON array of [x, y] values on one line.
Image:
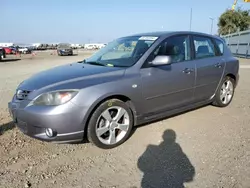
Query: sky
[[84, 21]]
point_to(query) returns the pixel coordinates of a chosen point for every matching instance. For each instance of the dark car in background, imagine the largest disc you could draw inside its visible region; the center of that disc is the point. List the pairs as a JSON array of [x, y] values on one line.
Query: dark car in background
[[13, 49], [2, 53], [64, 49]]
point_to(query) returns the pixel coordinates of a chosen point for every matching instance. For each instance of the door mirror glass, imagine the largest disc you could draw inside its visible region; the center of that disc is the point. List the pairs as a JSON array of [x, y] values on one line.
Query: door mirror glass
[[161, 60]]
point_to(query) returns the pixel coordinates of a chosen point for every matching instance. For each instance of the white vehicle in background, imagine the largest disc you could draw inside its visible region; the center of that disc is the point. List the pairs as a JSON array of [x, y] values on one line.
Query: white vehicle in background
[[76, 46], [101, 45], [6, 44], [94, 46], [90, 46], [24, 50]]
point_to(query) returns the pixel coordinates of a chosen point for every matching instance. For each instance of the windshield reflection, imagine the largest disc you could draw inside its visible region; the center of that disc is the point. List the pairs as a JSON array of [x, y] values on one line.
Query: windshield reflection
[[123, 52]]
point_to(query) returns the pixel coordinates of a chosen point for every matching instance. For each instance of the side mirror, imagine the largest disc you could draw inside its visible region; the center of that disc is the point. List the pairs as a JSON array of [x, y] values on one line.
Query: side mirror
[[161, 60]]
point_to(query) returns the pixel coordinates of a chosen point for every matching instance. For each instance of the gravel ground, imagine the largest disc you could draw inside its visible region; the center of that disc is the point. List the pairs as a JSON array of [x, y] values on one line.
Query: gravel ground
[[207, 147]]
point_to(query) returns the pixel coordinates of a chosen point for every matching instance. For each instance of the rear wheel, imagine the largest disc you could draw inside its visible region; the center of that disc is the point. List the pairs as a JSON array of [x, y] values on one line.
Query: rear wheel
[[225, 92], [110, 125]]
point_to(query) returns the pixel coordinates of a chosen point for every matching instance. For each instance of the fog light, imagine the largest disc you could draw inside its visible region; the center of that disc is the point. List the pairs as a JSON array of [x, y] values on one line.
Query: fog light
[[49, 132]]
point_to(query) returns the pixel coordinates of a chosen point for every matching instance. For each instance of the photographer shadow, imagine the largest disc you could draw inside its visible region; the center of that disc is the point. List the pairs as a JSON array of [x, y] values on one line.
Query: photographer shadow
[[165, 165]]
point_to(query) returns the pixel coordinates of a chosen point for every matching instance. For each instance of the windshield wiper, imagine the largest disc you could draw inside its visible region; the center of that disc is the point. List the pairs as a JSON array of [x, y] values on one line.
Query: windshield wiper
[[101, 64], [81, 61], [119, 66], [94, 63]]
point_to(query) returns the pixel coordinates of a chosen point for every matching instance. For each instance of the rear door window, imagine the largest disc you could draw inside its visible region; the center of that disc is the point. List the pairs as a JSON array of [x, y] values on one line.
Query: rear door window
[[204, 47]]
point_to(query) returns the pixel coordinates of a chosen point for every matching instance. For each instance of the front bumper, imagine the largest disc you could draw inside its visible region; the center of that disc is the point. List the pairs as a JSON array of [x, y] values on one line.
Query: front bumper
[[65, 120]]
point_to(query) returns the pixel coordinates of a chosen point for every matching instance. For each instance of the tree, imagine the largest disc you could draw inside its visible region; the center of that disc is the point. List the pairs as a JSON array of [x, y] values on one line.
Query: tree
[[230, 21]]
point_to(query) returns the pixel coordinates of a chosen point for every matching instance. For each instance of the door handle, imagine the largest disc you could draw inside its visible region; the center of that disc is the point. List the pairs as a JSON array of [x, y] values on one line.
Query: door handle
[[218, 65], [187, 71]]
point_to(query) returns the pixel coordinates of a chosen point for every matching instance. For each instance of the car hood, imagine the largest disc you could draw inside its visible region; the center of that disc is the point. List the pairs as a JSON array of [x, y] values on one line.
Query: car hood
[[65, 73]]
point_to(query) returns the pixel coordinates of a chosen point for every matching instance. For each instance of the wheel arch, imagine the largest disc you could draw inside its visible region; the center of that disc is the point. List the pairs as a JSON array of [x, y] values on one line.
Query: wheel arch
[[225, 74], [231, 76], [121, 97], [234, 77]]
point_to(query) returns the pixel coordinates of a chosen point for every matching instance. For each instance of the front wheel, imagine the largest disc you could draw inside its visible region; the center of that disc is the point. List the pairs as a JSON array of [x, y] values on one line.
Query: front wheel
[[110, 125], [225, 92]]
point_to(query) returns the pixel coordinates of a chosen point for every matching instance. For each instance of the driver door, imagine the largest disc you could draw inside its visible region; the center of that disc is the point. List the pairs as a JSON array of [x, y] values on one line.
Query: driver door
[[167, 87]]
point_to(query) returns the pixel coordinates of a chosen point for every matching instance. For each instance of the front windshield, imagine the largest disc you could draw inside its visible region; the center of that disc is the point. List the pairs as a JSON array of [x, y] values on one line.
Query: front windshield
[[63, 45], [123, 52]]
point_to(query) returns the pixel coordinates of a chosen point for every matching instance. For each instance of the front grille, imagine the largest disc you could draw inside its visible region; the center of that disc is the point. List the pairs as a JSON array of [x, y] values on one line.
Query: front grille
[[22, 94]]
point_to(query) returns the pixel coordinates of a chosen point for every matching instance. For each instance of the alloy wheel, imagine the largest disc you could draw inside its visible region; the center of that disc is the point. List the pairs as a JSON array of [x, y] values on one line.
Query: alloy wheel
[[112, 125], [226, 92]]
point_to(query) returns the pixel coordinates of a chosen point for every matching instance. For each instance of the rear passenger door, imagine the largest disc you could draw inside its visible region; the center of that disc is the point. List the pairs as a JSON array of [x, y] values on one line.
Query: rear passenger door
[[209, 65]]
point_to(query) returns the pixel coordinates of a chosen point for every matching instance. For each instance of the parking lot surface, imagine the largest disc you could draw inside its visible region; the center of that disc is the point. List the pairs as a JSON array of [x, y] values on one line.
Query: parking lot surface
[[206, 147]]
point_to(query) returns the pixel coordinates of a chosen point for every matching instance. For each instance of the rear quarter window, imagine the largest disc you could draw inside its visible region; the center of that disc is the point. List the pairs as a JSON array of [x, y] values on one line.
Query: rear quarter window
[[220, 46]]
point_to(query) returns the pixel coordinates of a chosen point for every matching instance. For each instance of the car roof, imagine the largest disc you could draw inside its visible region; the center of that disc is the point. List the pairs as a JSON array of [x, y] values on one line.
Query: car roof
[[167, 33]]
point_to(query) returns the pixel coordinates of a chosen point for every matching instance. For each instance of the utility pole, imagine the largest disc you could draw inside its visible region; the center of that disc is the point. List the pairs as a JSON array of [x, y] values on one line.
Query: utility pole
[[212, 19], [191, 15]]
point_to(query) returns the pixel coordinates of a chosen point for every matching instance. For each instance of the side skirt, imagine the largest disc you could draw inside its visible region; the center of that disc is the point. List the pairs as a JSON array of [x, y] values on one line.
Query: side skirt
[[146, 119]]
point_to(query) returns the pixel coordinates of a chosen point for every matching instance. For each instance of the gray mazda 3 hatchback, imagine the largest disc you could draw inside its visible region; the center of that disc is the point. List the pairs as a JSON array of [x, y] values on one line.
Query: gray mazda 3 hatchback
[[133, 80]]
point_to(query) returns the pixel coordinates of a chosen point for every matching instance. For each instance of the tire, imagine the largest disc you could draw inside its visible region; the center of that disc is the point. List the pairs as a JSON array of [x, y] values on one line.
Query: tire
[[97, 120], [4, 54], [218, 100]]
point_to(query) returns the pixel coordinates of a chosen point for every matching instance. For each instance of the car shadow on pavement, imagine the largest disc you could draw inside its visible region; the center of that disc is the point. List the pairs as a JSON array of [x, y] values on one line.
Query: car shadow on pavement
[[165, 165], [8, 60], [68, 55], [6, 127]]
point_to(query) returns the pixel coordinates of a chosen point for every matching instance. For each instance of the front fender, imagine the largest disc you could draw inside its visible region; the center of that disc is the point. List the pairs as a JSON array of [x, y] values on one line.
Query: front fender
[[89, 98]]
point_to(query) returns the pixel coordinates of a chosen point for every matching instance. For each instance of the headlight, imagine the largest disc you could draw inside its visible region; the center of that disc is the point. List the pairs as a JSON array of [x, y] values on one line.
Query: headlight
[[55, 98]]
